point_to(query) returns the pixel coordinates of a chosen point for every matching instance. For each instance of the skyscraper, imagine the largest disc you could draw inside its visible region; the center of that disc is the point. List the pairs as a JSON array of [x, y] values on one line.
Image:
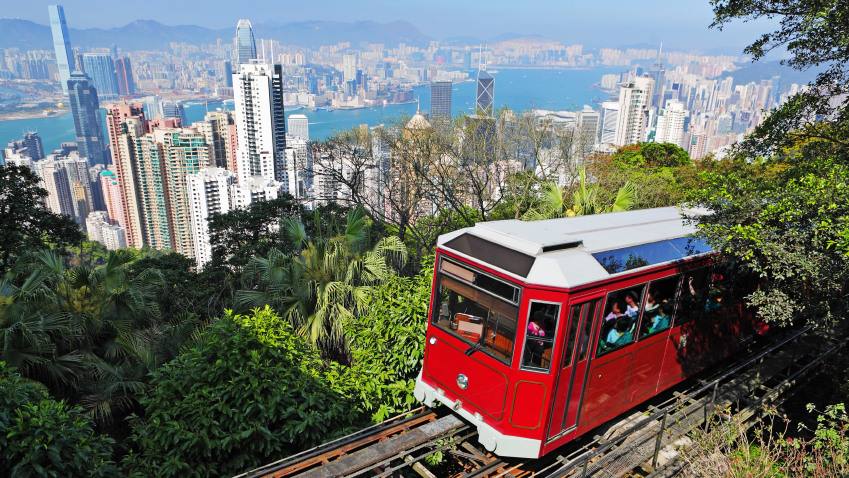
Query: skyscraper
[[486, 93], [101, 69], [670, 123], [245, 43], [215, 127], [634, 104], [299, 126], [588, 123], [173, 109], [61, 45], [609, 122], [258, 96], [124, 73], [440, 102], [208, 194], [83, 98], [126, 124], [29, 146], [349, 67]]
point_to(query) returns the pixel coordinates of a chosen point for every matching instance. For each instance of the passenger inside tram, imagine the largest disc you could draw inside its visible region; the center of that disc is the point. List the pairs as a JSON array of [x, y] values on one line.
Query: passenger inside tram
[[614, 313], [621, 334]]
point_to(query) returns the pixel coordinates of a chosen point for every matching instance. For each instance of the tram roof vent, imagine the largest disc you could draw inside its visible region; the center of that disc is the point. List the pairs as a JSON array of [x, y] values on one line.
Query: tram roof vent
[[561, 246]]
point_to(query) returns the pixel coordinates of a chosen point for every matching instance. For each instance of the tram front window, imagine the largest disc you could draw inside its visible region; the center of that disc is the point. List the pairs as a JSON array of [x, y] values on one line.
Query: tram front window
[[487, 323]]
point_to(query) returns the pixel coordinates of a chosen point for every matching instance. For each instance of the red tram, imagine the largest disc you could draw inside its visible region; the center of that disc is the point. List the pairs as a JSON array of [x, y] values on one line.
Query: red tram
[[541, 331]]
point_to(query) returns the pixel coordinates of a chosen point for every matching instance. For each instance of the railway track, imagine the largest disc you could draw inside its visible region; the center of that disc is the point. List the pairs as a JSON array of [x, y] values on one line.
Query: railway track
[[648, 440]]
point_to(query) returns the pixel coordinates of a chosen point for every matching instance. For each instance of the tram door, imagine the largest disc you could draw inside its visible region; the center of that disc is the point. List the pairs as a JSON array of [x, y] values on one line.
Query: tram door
[[573, 367]]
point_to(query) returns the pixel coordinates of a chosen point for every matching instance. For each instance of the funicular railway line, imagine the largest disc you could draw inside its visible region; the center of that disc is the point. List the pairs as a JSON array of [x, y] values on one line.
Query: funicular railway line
[[646, 443]]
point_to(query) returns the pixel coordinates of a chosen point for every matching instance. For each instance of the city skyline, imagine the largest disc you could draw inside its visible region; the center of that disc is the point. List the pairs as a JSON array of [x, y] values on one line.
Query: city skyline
[[591, 24]]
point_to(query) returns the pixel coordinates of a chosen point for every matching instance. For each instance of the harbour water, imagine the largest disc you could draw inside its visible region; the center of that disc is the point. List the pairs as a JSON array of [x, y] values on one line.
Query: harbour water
[[517, 89]]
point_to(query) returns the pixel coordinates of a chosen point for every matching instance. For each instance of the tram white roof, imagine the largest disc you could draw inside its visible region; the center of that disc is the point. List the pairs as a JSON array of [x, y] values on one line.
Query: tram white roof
[[561, 249]]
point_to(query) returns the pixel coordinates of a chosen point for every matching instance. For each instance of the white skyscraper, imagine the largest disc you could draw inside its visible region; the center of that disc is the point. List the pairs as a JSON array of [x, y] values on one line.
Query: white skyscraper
[[609, 122], [260, 123], [208, 193], [297, 165], [299, 127], [349, 67], [634, 103], [670, 123], [588, 123]]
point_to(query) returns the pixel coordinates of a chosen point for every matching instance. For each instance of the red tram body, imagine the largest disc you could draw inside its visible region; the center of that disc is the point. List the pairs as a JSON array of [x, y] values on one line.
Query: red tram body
[[540, 331]]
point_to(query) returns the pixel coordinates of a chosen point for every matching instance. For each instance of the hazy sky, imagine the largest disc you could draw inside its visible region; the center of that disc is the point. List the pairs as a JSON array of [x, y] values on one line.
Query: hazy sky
[[682, 23]]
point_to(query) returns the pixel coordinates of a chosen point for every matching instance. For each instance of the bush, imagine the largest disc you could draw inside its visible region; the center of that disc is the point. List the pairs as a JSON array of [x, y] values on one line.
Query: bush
[[40, 436], [654, 155], [249, 392]]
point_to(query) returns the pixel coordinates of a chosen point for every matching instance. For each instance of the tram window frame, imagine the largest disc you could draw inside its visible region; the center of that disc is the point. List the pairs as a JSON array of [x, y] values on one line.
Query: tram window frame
[[571, 334], [683, 314], [550, 340], [488, 323], [673, 304], [636, 320], [585, 341]]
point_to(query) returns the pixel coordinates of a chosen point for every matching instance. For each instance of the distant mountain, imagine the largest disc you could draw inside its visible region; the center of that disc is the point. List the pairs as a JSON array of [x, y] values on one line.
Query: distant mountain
[[765, 70], [150, 34]]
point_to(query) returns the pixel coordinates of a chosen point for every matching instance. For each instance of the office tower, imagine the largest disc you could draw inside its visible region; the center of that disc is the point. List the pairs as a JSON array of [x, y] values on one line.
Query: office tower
[[185, 152], [83, 98], [227, 68], [486, 93], [349, 67], [245, 47], [124, 73], [216, 128], [670, 123], [440, 102], [29, 146], [467, 59], [658, 75], [173, 109], [100, 68], [258, 95], [152, 106], [61, 45], [587, 127], [299, 127], [634, 103], [99, 229], [609, 122], [126, 124], [111, 190], [208, 193]]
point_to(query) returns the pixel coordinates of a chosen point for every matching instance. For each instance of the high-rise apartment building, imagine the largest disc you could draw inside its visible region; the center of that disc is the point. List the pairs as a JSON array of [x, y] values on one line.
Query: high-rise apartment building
[[299, 126], [485, 93], [68, 185], [634, 103], [216, 128], [100, 68], [588, 121], [124, 74], [173, 109], [260, 121], [101, 230], [84, 101], [670, 123], [209, 192], [126, 124], [111, 190], [440, 102], [61, 45], [245, 44], [609, 122], [30, 146], [349, 67]]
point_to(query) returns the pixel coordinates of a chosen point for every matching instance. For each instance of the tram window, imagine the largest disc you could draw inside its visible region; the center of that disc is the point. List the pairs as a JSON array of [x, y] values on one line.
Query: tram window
[[568, 351], [694, 296], [622, 310], [539, 336], [476, 317], [584, 344], [659, 306]]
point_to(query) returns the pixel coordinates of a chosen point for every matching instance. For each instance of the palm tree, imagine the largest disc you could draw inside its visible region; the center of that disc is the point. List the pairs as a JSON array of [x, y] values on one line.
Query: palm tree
[[325, 282], [585, 200]]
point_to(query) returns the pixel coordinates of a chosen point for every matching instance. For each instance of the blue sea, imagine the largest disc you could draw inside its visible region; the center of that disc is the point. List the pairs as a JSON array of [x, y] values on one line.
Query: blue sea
[[517, 89]]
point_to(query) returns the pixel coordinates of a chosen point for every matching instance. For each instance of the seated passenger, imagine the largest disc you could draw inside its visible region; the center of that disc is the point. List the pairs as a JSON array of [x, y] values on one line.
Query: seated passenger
[[651, 303], [621, 333], [615, 312], [660, 321], [632, 308]]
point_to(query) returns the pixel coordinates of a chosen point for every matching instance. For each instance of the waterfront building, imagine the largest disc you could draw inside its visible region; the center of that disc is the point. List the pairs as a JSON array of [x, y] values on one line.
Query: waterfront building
[[61, 45], [84, 101], [260, 120], [670, 123], [440, 102], [208, 193], [173, 109], [124, 74], [349, 67], [100, 68], [30, 146], [245, 47], [485, 93], [634, 103], [126, 124], [299, 126]]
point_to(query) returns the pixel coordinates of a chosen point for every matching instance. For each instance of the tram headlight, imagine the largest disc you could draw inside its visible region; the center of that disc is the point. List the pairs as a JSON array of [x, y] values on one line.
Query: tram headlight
[[462, 381]]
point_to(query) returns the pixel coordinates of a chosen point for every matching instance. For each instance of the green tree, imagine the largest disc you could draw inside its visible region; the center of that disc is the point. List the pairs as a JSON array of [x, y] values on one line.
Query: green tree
[[249, 392], [42, 437], [325, 282], [25, 222], [653, 155], [586, 200]]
